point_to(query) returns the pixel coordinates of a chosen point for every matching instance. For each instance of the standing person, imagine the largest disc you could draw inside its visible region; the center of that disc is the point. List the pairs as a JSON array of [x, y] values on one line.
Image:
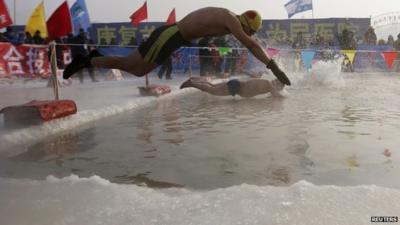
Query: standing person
[[299, 42], [204, 56], [396, 46], [167, 68], [28, 38], [209, 21], [370, 36], [215, 58], [11, 35], [232, 57], [37, 38]]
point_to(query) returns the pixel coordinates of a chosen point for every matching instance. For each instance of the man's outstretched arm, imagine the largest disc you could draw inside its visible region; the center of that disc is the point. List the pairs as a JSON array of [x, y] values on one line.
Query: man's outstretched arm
[[255, 48]]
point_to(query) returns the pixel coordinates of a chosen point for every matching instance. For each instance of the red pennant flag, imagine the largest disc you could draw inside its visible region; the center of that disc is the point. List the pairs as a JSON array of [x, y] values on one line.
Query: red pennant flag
[[139, 15], [5, 19], [59, 24], [171, 18], [389, 58], [272, 52]]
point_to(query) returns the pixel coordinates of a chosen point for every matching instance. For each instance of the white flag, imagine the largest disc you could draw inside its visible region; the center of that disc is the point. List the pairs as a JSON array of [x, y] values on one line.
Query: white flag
[[296, 6]]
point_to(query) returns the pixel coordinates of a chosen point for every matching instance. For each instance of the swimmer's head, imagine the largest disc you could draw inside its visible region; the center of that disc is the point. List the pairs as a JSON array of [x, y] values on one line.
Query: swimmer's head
[[277, 88], [251, 19], [277, 85]]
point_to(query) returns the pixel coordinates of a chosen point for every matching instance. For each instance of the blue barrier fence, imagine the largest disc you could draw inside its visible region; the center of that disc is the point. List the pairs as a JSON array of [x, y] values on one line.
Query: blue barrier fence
[[367, 57]]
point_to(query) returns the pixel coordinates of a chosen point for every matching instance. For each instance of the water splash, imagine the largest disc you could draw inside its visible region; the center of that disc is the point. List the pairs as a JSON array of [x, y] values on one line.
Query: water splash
[[322, 73]]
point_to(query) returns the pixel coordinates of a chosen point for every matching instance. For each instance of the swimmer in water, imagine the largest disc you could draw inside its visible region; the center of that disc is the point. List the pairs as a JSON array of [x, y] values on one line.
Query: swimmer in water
[[164, 40], [244, 88]]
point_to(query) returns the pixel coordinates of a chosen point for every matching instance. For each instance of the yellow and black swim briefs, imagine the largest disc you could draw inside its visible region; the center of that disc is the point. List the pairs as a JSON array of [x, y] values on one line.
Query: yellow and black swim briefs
[[162, 42]]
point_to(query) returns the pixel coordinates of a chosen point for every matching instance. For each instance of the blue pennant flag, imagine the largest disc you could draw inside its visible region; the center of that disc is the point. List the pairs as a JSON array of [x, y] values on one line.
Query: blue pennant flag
[[307, 57], [80, 16], [296, 6]]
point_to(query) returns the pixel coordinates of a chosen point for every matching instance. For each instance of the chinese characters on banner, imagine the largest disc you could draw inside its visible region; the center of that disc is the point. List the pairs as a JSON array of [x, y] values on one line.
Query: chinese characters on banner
[[24, 61], [329, 29]]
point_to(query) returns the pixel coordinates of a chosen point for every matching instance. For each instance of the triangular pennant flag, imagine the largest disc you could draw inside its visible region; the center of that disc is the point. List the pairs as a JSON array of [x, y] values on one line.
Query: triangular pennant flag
[[350, 54], [389, 57], [224, 51], [272, 52], [139, 15], [171, 18], [80, 16], [59, 24], [307, 57], [37, 21], [5, 19]]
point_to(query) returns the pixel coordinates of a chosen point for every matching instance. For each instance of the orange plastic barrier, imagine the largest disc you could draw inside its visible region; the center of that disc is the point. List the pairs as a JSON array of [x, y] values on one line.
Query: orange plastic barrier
[[35, 112]]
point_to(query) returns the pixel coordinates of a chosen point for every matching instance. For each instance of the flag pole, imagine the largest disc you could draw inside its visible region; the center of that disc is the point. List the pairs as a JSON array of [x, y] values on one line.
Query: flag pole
[[53, 65], [15, 12], [312, 3]]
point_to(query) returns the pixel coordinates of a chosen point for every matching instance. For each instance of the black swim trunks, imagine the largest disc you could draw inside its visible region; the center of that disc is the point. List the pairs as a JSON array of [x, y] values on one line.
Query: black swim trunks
[[233, 87], [162, 42]]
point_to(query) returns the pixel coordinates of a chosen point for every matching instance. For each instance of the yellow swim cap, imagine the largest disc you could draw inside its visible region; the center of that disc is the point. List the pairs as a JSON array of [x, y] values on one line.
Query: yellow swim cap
[[251, 19]]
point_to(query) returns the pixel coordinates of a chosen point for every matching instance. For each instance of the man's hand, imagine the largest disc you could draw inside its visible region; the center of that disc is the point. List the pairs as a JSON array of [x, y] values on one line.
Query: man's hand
[[278, 72]]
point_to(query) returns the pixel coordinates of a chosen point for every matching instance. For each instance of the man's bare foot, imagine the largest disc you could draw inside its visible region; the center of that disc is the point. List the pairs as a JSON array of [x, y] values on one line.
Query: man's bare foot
[[189, 82], [186, 84]]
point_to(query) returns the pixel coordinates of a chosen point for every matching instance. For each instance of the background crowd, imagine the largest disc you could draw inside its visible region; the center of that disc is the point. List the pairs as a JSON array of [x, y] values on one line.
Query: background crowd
[[211, 60]]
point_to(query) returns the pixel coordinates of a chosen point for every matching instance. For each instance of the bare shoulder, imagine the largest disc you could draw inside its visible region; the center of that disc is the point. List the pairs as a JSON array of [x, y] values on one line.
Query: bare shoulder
[[217, 10], [214, 11], [209, 21]]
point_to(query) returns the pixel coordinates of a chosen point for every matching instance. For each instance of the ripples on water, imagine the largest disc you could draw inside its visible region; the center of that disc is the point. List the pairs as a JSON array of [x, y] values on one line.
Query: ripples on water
[[327, 131]]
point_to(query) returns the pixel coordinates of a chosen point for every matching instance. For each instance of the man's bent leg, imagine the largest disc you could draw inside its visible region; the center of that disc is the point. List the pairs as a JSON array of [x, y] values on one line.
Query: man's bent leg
[[220, 89], [133, 63], [79, 62]]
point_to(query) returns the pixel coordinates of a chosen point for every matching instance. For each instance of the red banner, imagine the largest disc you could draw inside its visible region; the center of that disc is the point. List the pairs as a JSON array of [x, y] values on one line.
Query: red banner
[[24, 61]]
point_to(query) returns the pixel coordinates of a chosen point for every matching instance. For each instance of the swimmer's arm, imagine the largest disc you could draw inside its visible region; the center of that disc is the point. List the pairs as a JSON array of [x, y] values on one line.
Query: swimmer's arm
[[235, 28]]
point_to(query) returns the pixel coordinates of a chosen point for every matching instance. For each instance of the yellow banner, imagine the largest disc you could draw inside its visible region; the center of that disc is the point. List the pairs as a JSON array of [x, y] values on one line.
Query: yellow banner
[[37, 22], [349, 53]]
